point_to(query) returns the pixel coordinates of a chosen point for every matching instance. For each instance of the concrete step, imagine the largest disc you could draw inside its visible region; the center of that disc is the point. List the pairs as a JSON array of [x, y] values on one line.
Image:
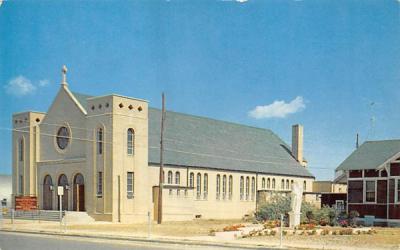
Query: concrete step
[[73, 217]]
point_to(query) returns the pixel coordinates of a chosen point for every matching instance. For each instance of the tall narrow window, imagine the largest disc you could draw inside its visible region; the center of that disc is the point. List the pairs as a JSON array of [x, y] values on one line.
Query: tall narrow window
[[287, 184], [241, 187], [21, 149], [177, 178], [291, 184], [247, 188], [268, 183], [131, 141], [129, 184], [205, 193], [224, 187], [21, 184], [99, 184], [283, 184], [230, 189], [304, 186], [398, 190], [198, 186], [169, 177], [273, 183], [191, 180], [370, 191], [253, 188], [100, 141], [218, 192], [263, 183]]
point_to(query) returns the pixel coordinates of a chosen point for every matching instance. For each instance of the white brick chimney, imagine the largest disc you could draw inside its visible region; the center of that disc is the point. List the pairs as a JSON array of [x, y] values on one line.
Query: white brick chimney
[[297, 144]]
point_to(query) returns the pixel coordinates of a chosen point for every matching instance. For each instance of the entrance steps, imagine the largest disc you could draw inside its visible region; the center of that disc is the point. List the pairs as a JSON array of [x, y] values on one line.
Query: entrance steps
[[73, 217]]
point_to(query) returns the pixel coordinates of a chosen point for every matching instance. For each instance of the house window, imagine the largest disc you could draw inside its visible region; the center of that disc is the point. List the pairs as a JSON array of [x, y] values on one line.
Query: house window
[[253, 188], [177, 178], [191, 180], [283, 184], [21, 184], [198, 186], [241, 187], [205, 193], [169, 177], [99, 184], [273, 183], [370, 191], [131, 141], [224, 187], [230, 187], [100, 141], [21, 149], [218, 186], [247, 187], [129, 184], [263, 183], [304, 185], [268, 183]]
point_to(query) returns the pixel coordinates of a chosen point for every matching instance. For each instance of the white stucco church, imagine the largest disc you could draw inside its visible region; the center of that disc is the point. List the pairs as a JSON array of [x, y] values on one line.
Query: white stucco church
[[104, 152]]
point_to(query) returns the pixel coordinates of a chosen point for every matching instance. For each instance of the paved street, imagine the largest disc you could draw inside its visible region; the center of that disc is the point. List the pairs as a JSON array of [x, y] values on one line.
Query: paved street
[[14, 241]]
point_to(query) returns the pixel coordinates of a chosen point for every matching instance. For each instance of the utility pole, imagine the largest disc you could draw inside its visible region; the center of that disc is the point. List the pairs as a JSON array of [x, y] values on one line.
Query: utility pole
[[161, 179]]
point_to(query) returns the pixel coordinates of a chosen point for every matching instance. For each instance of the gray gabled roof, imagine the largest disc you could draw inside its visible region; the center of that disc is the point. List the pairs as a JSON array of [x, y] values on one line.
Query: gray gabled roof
[[203, 142], [195, 141], [371, 155]]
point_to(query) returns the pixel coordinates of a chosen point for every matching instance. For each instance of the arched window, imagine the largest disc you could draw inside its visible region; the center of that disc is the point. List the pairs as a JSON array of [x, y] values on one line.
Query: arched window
[[241, 187], [21, 149], [253, 188], [131, 141], [177, 177], [263, 183], [268, 183], [169, 177], [304, 186], [163, 176], [273, 183], [291, 184], [99, 137], [247, 188], [198, 186], [224, 187], [283, 184], [205, 194], [191, 180], [218, 186], [287, 184], [230, 187]]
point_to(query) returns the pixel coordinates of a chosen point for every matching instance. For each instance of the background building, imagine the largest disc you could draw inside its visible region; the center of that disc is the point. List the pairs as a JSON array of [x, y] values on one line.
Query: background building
[[5, 190]]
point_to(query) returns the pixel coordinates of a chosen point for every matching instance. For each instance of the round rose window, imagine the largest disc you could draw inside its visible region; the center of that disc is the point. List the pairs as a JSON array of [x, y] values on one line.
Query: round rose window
[[63, 138]]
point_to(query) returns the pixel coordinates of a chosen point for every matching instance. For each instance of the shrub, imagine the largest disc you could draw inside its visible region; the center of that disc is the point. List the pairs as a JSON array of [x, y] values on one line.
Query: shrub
[[346, 231], [325, 231], [273, 209], [273, 233], [352, 217]]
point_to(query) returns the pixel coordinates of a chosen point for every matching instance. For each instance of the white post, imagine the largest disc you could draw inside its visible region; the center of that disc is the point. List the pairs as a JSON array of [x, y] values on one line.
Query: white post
[[60, 191], [280, 242], [149, 225]]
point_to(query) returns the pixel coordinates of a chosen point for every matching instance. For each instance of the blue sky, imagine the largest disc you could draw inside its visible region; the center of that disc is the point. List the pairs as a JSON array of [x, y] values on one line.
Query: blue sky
[[332, 66]]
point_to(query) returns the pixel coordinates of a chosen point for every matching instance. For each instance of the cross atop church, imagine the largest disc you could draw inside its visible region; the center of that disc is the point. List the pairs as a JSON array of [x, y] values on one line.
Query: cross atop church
[[64, 71]]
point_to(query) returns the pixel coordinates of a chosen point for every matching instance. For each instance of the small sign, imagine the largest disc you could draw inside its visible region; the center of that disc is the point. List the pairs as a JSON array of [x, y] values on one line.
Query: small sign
[[60, 190], [25, 203]]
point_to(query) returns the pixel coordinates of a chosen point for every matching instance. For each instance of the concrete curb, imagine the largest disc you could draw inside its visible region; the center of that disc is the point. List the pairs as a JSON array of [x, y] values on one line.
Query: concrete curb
[[146, 240]]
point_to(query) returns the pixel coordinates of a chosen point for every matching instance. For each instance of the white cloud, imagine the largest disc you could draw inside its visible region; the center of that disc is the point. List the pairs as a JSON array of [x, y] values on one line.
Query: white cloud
[[278, 109], [44, 82], [20, 86], [241, 1]]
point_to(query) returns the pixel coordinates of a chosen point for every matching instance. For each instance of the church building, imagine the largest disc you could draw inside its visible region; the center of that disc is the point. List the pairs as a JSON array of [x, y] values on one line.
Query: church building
[[105, 153]]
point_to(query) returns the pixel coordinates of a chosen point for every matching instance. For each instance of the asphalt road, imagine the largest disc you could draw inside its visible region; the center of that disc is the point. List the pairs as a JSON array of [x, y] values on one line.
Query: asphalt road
[[18, 241]]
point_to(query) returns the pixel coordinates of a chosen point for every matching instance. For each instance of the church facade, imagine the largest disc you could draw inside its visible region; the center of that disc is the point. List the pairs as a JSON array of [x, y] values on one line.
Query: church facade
[[104, 152]]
